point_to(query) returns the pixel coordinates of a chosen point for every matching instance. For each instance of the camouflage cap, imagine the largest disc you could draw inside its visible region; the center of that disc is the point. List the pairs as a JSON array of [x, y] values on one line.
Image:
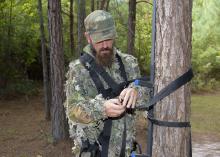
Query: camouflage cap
[[100, 25]]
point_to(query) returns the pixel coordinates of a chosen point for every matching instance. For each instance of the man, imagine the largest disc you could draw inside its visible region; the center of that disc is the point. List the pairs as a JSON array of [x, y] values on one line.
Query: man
[[100, 95]]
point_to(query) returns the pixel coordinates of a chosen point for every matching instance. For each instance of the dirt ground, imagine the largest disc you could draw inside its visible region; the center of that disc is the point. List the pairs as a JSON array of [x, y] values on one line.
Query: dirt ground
[[24, 132]]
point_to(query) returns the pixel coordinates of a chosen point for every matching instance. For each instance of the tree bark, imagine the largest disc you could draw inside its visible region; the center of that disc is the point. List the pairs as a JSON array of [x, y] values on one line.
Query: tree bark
[[107, 5], [9, 32], [104, 4], [97, 4], [172, 59], [131, 27], [92, 5], [72, 46], [59, 121], [81, 28], [47, 98]]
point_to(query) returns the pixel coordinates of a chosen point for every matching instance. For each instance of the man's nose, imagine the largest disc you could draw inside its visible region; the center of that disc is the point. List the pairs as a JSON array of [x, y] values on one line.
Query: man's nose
[[104, 44]]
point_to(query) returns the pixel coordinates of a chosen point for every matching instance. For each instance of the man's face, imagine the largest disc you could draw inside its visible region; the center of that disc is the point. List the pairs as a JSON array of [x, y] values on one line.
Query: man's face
[[104, 52]]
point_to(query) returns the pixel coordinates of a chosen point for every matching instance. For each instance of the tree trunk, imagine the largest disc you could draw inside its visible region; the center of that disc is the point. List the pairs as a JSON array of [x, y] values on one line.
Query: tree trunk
[[97, 4], [9, 33], [72, 46], [92, 5], [172, 59], [59, 121], [104, 4], [47, 103], [131, 27], [81, 28], [107, 5]]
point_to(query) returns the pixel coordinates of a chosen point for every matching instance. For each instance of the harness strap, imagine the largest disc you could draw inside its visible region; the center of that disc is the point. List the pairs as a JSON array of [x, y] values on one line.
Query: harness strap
[[114, 90], [174, 85], [122, 68], [91, 64], [170, 88], [104, 137], [92, 73], [123, 146], [97, 81], [169, 124]]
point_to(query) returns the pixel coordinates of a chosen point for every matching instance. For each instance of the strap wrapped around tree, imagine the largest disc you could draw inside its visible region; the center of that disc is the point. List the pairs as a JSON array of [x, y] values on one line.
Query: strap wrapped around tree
[[170, 59]]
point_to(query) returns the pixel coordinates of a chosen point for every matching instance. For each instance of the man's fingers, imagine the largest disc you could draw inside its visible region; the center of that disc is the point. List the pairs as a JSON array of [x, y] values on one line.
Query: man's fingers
[[113, 108], [126, 98], [130, 101], [122, 95], [115, 101], [134, 101], [130, 98], [117, 107]]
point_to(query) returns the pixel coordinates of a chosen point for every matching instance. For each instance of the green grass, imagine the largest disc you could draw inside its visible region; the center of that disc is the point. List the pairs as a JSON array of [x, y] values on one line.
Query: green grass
[[205, 113]]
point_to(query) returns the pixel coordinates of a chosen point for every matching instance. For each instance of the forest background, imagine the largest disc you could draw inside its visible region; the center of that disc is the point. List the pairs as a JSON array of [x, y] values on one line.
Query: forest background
[[20, 46]]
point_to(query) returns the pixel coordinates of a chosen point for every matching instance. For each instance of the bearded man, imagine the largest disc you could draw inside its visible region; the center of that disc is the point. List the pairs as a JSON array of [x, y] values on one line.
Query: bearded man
[[100, 93]]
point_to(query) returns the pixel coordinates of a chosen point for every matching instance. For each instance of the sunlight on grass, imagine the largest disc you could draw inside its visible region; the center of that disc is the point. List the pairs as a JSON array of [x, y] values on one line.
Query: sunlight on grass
[[205, 117]]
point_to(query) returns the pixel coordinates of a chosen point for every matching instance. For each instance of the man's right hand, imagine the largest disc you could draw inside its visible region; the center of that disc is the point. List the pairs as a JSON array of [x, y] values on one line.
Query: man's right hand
[[114, 108]]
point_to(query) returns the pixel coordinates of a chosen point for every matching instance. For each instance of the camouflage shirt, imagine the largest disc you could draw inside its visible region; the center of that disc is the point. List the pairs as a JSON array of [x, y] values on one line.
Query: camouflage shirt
[[84, 106]]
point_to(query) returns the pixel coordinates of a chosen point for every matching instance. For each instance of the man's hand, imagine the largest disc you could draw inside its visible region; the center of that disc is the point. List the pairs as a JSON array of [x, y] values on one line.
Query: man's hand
[[113, 108], [128, 97]]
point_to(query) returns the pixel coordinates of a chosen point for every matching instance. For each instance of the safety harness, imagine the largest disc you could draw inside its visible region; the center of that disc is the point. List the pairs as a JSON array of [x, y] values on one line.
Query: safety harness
[[113, 91]]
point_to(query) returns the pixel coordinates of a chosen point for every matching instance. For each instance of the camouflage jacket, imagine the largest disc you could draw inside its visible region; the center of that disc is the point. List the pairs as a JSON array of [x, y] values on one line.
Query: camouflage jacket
[[84, 106]]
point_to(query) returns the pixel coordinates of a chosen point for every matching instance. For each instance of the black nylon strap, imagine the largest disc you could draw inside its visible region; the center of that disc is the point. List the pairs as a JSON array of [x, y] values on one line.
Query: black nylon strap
[[101, 71], [93, 74], [174, 85], [104, 137], [152, 76], [169, 124], [94, 69], [97, 81], [123, 147], [115, 89], [121, 68]]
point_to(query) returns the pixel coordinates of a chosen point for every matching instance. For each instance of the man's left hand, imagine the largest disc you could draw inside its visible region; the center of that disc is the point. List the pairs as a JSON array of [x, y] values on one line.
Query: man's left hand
[[128, 97]]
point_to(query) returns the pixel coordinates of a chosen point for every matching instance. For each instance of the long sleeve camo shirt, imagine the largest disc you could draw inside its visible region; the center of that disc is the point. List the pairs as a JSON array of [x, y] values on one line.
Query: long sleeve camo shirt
[[84, 106]]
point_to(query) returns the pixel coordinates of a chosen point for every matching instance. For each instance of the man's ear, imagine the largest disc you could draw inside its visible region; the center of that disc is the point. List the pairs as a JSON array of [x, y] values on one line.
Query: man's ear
[[88, 38]]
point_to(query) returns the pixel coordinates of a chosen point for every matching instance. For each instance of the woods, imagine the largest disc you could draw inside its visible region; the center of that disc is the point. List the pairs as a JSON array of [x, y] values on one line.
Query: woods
[[20, 39], [38, 39]]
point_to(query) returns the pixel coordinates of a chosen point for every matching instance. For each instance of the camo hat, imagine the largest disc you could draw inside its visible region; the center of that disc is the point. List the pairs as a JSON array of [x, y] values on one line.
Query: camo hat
[[100, 25]]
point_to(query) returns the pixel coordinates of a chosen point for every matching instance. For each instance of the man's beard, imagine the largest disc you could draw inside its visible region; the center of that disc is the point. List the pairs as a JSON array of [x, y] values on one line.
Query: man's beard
[[104, 57]]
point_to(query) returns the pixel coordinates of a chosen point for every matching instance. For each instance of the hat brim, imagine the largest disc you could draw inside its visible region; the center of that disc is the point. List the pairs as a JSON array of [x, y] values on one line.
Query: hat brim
[[103, 35]]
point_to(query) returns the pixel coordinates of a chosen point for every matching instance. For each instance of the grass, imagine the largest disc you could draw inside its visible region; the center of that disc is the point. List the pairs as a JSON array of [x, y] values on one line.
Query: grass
[[205, 117]]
